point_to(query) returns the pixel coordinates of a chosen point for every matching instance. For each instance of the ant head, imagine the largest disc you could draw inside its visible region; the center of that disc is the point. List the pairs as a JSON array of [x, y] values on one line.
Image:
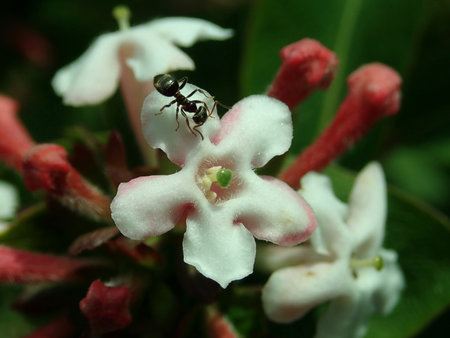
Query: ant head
[[166, 84]]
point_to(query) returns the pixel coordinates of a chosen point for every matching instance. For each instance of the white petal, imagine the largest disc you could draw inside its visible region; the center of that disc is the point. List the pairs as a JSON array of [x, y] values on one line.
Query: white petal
[[272, 210], [159, 129], [9, 201], [331, 235], [346, 317], [292, 292], [260, 126], [367, 211], [186, 31], [218, 249], [94, 76], [150, 55], [150, 206], [390, 283]]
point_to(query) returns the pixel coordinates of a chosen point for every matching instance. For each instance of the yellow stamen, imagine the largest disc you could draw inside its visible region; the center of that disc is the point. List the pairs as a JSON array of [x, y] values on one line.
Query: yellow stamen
[[122, 14]]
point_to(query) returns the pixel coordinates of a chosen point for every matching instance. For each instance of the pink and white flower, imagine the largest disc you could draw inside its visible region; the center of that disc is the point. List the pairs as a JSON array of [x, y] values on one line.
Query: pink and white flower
[[339, 266], [147, 49], [221, 222]]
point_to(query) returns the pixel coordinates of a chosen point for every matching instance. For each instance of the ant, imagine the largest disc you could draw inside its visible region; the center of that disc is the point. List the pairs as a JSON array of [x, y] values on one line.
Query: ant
[[168, 85]]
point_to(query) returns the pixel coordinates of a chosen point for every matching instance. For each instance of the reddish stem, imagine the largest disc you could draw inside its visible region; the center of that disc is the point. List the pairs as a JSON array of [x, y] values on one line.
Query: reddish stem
[[374, 92]]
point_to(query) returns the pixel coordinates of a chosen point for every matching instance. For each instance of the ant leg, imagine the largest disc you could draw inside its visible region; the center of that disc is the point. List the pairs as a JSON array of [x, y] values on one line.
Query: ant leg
[[200, 91], [166, 106], [187, 121], [176, 117], [198, 131], [182, 82], [206, 107]]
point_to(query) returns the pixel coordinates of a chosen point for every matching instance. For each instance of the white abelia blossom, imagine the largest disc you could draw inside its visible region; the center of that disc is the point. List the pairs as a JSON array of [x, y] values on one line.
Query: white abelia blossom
[[221, 220], [9, 201], [148, 49], [339, 266]]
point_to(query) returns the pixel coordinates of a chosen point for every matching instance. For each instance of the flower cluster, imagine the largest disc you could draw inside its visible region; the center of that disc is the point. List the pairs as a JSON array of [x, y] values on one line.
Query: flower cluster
[[322, 249]]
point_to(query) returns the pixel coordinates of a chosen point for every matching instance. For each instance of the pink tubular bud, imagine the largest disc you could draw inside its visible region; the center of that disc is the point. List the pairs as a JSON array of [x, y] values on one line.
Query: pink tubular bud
[[106, 308], [307, 66], [218, 325], [374, 92], [18, 266], [15, 140], [46, 167]]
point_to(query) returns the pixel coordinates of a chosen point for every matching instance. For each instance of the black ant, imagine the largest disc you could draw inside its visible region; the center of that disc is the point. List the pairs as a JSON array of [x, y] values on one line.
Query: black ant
[[168, 85]]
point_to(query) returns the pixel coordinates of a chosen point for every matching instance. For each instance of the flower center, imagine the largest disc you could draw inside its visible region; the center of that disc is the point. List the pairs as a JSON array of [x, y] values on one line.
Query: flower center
[[122, 14], [376, 262], [217, 174]]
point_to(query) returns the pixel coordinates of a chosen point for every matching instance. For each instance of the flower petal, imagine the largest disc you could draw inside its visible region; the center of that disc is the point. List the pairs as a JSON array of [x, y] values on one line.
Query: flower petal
[[292, 292], [186, 31], [272, 211], [94, 76], [150, 206], [9, 201], [160, 129], [345, 317], [367, 211], [218, 249], [149, 54], [258, 125], [331, 235]]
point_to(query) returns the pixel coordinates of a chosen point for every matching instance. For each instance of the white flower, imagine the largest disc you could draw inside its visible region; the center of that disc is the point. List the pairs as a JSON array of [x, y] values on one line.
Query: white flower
[[147, 49], [221, 221], [340, 267], [9, 201]]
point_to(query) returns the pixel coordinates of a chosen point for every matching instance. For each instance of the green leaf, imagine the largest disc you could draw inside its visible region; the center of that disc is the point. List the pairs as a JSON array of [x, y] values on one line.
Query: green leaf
[[420, 234]]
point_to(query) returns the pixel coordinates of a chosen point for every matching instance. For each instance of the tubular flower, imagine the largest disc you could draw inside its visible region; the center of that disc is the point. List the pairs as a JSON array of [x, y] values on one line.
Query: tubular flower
[[225, 203], [346, 265], [147, 49]]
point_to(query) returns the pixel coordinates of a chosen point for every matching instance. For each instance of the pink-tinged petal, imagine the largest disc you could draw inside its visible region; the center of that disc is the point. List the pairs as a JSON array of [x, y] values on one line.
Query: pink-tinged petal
[[260, 126], [147, 54], [216, 247], [186, 31], [367, 211], [332, 236], [106, 308], [272, 211], [151, 206], [160, 129], [94, 76], [292, 292]]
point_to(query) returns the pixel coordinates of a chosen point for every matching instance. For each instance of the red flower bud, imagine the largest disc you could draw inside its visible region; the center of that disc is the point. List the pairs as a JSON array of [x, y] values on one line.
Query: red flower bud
[[374, 92], [307, 66], [106, 308], [15, 140], [17, 266], [46, 167]]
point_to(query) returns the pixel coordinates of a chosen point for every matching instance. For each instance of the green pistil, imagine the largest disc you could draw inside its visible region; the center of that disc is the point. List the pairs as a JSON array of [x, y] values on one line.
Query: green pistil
[[376, 262], [224, 177], [122, 14]]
